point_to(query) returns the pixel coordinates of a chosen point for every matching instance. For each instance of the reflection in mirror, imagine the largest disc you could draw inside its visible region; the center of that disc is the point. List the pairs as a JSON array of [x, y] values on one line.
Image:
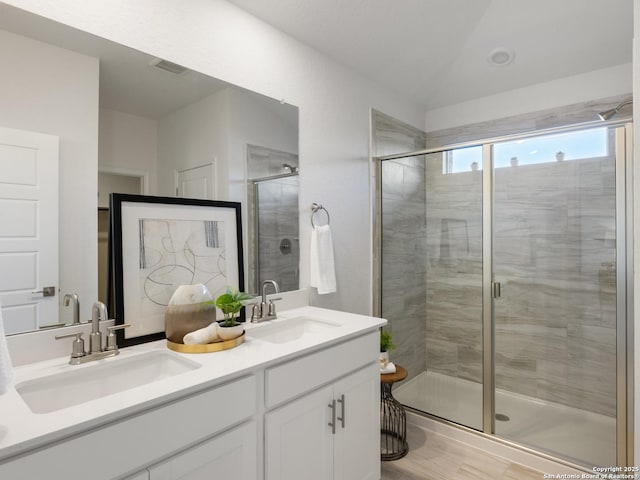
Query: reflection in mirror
[[182, 132], [272, 195], [111, 182]]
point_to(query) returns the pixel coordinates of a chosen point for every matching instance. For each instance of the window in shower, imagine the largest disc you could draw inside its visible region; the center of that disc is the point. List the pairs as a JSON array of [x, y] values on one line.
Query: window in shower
[[580, 145]]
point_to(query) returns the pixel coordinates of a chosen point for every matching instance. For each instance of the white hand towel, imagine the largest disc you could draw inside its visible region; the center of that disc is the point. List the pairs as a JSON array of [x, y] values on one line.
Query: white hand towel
[[6, 369], [390, 368], [322, 269], [202, 336]]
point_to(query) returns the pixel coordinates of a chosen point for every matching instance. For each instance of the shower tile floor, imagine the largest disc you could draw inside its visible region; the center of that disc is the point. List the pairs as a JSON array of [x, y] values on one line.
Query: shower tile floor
[[577, 435]]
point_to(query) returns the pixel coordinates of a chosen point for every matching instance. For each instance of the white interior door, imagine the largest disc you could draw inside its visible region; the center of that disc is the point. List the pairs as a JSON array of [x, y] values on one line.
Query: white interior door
[[197, 182], [28, 229]]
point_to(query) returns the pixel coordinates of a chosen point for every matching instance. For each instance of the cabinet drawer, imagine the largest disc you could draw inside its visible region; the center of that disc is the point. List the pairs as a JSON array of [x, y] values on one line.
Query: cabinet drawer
[[308, 372], [230, 456], [124, 446]]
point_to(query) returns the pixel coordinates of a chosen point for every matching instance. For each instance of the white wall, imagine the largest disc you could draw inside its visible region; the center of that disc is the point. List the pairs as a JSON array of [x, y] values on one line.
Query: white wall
[[220, 127], [51, 90], [128, 143], [193, 136], [607, 82], [252, 120], [219, 39]]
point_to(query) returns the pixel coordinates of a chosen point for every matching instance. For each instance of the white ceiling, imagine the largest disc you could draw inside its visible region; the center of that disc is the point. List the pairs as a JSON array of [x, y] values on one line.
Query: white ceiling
[[436, 50], [127, 82]]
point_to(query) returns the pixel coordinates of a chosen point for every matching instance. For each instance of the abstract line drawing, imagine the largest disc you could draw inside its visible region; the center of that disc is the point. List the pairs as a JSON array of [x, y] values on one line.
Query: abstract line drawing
[[160, 243], [180, 252]]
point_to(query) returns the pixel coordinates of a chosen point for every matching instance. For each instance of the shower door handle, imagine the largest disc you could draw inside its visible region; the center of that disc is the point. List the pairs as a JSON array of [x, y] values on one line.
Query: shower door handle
[[495, 289]]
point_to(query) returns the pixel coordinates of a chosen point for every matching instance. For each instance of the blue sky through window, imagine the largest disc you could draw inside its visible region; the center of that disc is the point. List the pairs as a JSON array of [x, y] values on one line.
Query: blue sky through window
[[578, 145]]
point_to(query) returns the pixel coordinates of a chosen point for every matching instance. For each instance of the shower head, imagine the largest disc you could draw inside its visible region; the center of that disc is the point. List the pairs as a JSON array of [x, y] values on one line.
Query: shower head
[[291, 168], [607, 114]]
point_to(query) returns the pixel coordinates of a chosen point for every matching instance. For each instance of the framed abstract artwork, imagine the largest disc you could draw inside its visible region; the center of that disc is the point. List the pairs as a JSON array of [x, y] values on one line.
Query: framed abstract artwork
[[160, 243]]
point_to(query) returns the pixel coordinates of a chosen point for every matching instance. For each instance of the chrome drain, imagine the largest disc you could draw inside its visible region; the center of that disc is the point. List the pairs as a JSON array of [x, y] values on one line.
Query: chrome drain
[[501, 417]]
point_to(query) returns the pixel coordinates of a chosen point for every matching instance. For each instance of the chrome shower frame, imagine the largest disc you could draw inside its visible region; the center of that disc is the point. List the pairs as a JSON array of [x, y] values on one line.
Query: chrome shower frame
[[624, 260]]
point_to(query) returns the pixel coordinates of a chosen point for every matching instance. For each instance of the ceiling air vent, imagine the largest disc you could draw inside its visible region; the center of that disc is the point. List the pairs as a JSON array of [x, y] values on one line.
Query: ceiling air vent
[[167, 66]]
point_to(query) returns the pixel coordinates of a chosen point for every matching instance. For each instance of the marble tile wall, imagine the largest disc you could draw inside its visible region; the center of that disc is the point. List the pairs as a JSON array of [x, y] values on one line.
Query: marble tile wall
[[555, 257], [554, 250], [273, 216], [554, 244], [278, 223], [454, 271], [531, 122], [403, 236]]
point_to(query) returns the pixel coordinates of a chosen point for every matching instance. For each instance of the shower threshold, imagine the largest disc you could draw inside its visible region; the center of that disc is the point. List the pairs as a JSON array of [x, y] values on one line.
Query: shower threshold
[[577, 435]]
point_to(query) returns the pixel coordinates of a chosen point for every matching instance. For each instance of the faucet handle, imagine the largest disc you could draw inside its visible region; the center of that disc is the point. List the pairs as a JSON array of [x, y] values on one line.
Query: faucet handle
[[111, 338], [272, 306], [255, 312], [77, 345]]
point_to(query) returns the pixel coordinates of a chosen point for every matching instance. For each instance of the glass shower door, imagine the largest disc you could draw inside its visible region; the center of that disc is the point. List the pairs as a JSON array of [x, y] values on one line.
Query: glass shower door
[[554, 255], [276, 251], [431, 209]]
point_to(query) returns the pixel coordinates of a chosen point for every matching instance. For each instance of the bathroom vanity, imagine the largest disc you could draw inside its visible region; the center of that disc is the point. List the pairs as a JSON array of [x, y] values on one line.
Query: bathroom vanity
[[301, 395]]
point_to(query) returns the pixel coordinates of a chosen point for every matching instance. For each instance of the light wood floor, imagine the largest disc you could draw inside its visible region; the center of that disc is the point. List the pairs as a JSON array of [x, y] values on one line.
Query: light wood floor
[[435, 457]]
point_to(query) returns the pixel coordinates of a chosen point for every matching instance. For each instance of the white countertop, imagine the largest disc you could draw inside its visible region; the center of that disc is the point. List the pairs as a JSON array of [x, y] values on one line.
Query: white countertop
[[22, 430]]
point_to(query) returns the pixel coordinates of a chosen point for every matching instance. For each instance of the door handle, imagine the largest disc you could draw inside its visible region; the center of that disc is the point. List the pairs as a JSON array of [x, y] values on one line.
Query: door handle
[[332, 423], [495, 289], [341, 402], [46, 292]]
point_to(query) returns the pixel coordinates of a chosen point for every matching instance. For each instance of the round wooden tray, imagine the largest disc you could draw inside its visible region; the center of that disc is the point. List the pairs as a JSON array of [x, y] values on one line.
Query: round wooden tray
[[206, 348]]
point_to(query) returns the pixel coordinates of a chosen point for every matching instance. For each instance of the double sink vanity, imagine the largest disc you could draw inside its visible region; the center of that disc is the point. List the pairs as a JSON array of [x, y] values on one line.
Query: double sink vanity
[[298, 399]]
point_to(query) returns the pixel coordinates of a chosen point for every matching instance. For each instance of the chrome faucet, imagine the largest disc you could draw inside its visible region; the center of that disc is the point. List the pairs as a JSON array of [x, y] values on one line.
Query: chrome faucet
[[98, 312], [263, 311], [73, 297], [96, 352]]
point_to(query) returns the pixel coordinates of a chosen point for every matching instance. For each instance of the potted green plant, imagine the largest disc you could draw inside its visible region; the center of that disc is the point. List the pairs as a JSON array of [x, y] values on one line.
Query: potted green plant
[[230, 303], [386, 344]]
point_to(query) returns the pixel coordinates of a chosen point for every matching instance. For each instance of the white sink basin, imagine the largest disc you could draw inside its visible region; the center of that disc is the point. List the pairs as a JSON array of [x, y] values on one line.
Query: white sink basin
[[92, 381], [284, 331]]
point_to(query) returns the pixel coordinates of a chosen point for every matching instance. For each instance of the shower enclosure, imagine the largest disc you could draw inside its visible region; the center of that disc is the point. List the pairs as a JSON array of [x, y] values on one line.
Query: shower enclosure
[[272, 194], [504, 273]]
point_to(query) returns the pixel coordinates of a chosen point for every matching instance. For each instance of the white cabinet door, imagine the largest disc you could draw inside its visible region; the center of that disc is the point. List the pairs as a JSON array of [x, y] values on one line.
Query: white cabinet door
[[301, 444], [357, 443], [298, 439], [28, 229], [229, 456]]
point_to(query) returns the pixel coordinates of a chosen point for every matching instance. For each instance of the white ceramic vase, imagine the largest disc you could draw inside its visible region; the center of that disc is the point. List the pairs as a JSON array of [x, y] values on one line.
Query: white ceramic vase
[[383, 359], [229, 333]]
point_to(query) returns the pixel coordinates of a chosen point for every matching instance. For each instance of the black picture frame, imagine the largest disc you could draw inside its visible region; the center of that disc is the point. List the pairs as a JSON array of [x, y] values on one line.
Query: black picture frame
[[158, 243]]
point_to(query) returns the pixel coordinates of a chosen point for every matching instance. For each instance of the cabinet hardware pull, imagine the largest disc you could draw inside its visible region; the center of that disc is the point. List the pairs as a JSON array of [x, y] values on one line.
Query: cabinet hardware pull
[[332, 423], [341, 402]]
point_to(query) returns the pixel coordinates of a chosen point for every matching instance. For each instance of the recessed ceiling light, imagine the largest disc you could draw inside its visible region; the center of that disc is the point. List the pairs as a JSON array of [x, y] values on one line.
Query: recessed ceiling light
[[501, 57]]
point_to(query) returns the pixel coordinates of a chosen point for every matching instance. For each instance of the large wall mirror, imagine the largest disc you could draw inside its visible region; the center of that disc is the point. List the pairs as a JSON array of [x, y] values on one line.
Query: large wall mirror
[[128, 122]]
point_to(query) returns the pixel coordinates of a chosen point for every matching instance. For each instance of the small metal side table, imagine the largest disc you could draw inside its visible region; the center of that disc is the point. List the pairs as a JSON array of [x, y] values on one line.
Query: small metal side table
[[393, 419]]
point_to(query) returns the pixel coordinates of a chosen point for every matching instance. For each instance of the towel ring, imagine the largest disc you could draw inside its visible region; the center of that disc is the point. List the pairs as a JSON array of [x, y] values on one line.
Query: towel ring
[[315, 208]]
